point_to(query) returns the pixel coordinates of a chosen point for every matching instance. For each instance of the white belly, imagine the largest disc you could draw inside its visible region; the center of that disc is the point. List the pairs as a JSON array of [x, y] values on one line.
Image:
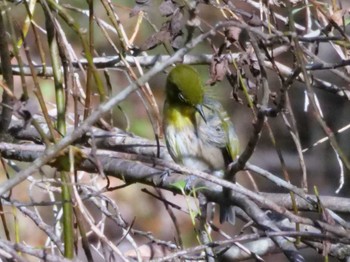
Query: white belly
[[187, 148]]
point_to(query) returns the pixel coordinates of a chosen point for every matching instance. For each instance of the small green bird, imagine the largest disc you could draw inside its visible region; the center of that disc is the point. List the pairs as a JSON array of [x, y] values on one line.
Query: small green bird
[[198, 131]]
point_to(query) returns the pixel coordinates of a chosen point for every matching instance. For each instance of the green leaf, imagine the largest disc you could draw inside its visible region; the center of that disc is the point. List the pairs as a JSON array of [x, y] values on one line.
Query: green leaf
[[180, 185], [347, 21]]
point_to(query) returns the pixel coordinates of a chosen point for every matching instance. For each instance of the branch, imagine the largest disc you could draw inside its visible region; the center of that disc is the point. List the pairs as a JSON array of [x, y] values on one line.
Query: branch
[[134, 168], [13, 250], [53, 151], [110, 62]]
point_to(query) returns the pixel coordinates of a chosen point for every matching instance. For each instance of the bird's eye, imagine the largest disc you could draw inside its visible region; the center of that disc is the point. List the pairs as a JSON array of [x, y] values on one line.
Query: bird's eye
[[181, 97]]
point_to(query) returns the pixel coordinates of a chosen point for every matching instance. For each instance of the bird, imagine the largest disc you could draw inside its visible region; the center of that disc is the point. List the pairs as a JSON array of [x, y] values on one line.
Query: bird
[[198, 131]]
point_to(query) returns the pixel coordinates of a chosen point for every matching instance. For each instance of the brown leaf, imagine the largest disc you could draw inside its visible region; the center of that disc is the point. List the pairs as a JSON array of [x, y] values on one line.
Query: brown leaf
[[156, 39], [194, 20], [253, 62], [135, 10], [218, 69], [232, 78], [25, 109], [167, 8], [177, 42], [232, 33], [140, 5], [254, 20], [337, 16], [176, 23]]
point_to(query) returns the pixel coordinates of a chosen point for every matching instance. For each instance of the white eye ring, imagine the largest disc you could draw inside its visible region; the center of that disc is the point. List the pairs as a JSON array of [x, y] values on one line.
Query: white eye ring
[[181, 97]]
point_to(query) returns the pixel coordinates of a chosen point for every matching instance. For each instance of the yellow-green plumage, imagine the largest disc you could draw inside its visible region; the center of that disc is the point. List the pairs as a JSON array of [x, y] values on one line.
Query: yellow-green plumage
[[198, 131]]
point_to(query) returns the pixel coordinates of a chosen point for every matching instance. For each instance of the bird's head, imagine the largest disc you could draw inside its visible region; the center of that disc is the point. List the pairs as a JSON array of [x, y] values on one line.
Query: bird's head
[[184, 86]]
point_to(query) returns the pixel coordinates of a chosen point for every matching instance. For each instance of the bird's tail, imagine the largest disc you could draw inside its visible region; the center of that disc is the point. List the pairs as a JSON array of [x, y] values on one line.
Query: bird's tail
[[227, 214]]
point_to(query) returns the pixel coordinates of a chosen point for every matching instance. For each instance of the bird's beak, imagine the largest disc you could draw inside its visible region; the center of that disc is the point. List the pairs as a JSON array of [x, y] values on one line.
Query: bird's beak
[[199, 109]]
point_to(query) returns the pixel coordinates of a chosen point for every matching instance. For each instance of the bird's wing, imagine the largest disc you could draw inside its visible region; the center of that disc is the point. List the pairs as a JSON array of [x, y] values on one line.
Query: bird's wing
[[218, 130]]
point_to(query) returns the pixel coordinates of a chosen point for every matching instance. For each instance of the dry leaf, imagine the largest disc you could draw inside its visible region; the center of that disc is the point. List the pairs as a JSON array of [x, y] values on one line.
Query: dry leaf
[[140, 5], [177, 42], [25, 109], [176, 23], [232, 33], [254, 20], [218, 69], [167, 8], [156, 39], [337, 16]]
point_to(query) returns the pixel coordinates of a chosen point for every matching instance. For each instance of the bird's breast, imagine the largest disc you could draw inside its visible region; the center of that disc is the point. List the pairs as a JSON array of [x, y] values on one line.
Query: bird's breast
[[179, 116], [182, 132]]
